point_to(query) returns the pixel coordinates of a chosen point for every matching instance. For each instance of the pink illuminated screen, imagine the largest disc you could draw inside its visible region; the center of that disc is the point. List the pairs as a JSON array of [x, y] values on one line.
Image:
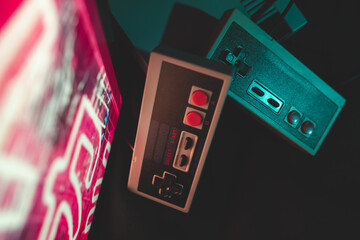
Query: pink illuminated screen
[[59, 105]]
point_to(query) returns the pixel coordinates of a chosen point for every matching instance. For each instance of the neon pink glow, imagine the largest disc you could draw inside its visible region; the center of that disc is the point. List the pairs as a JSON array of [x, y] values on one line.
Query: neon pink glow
[[7, 9], [23, 52], [59, 105]]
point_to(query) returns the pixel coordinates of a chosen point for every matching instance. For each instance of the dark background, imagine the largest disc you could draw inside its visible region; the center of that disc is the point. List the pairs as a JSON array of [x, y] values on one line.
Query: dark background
[[254, 185]]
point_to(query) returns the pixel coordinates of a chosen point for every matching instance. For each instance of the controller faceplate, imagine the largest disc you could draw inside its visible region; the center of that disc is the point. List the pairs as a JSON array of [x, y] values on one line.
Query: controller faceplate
[[182, 101], [273, 85]]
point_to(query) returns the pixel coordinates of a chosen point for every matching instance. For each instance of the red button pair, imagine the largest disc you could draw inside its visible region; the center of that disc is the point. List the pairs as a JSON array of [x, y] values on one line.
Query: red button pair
[[199, 98]]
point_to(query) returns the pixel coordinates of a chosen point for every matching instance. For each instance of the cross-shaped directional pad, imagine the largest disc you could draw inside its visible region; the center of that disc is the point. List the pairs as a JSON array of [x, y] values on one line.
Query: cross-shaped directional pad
[[166, 185], [236, 58]]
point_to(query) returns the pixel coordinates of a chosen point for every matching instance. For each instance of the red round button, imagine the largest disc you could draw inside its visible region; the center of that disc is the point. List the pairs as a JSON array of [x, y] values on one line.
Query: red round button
[[193, 118], [199, 98], [307, 127]]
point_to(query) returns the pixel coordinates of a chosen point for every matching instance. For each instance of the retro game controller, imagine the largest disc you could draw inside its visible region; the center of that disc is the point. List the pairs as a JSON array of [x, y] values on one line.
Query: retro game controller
[[182, 101], [272, 84]]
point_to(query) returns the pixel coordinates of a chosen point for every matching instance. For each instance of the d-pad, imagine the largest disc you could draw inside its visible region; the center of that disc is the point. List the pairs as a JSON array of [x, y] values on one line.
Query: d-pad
[[166, 185], [236, 58]]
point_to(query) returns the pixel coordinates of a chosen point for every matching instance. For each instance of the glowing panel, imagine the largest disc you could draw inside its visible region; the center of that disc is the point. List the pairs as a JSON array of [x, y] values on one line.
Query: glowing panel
[[59, 104]]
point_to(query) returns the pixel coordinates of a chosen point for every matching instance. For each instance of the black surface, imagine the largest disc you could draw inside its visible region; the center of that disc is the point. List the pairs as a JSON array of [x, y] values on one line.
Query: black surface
[[255, 185]]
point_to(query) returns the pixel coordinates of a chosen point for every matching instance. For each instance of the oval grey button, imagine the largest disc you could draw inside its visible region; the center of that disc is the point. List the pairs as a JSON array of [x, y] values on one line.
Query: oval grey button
[[273, 103], [257, 91]]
